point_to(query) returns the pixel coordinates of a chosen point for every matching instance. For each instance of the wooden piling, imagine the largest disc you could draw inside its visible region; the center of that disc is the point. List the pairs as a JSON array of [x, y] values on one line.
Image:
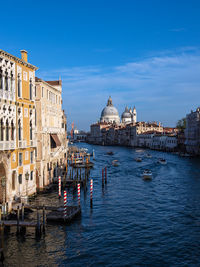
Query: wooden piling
[[22, 211], [105, 175], [18, 228], [38, 228], [6, 210], [102, 177], [44, 218], [1, 242]]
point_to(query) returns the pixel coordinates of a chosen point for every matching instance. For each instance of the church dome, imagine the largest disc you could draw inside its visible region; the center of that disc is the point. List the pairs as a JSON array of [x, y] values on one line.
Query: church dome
[[107, 111], [110, 113], [126, 114]]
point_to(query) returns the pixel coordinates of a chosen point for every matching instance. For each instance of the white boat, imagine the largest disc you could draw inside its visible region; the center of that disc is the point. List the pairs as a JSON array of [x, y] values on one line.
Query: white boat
[[162, 161], [149, 156], [139, 159], [147, 174], [115, 163]]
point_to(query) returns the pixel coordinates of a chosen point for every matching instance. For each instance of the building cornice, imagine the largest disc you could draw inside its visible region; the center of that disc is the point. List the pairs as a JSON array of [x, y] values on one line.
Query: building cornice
[[18, 60]]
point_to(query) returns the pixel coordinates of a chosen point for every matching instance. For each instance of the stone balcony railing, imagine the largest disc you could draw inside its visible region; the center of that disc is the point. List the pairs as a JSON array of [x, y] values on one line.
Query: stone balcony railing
[[22, 144], [7, 145], [33, 143]]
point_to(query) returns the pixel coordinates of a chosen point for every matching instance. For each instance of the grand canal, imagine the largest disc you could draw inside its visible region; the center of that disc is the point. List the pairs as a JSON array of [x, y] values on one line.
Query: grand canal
[[133, 222]]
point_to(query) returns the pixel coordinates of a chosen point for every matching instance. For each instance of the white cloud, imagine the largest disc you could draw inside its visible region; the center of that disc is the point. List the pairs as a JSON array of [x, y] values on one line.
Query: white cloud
[[167, 85]]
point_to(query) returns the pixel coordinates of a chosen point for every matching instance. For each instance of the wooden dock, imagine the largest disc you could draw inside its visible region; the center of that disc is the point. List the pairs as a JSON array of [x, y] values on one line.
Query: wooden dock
[[11, 223], [58, 215]]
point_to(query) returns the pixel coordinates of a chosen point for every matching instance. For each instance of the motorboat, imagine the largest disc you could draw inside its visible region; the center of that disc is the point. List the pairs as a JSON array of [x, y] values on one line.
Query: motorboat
[[139, 159], [149, 156], [115, 163], [162, 161], [147, 174], [110, 153]]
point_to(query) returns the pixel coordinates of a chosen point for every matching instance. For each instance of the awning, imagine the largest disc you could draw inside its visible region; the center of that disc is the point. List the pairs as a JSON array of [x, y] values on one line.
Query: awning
[[56, 139]]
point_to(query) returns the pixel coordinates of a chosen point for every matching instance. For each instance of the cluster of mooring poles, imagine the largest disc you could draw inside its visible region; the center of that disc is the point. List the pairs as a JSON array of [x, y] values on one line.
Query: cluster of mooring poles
[[76, 175]]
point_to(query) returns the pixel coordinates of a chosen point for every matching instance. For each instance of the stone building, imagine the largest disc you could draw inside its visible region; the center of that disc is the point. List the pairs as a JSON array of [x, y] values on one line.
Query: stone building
[[17, 120], [51, 131], [192, 132]]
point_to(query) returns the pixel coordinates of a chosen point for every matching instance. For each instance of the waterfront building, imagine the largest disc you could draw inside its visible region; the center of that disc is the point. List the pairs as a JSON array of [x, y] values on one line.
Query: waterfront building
[[17, 120], [51, 131], [192, 132]]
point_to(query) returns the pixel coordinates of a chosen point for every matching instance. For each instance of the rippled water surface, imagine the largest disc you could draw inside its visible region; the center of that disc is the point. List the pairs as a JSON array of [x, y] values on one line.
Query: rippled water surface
[[133, 222]]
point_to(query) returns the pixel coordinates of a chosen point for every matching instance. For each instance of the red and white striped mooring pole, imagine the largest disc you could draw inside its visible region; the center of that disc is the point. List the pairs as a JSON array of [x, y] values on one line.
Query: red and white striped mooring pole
[[91, 191], [79, 195], [59, 187], [65, 204]]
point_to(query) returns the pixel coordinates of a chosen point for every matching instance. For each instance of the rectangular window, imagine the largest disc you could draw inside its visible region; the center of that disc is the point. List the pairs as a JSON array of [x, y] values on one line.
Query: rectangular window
[[31, 176], [31, 90], [31, 156], [19, 86], [26, 155], [20, 178], [42, 91], [20, 159]]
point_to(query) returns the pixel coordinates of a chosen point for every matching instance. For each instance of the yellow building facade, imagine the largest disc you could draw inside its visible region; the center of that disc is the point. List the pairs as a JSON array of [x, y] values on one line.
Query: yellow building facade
[[17, 127]]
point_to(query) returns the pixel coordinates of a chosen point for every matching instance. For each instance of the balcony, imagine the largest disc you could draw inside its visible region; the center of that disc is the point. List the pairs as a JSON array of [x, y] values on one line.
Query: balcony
[[22, 144], [33, 143], [7, 145]]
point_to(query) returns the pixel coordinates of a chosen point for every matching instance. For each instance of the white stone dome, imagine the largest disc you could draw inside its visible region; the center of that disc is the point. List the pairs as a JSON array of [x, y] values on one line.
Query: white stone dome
[[110, 113], [126, 114]]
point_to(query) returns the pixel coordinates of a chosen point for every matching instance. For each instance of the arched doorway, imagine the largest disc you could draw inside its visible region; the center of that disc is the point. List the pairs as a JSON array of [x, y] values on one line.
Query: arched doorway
[[2, 184]]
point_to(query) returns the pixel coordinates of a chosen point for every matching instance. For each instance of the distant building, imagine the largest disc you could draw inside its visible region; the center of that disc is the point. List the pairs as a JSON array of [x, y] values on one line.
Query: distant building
[[192, 132]]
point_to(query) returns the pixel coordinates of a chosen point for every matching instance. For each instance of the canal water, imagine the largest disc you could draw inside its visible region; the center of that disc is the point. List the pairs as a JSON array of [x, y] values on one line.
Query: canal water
[[133, 222]]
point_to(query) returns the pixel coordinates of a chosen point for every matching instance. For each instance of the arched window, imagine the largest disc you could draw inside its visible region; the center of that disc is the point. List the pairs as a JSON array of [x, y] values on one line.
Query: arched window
[[31, 131], [12, 82], [19, 85], [19, 130], [6, 81], [31, 89], [12, 131], [1, 79], [1, 130], [7, 131]]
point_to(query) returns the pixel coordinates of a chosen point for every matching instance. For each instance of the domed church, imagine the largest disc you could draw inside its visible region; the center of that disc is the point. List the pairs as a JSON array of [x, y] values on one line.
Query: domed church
[[129, 115], [109, 113]]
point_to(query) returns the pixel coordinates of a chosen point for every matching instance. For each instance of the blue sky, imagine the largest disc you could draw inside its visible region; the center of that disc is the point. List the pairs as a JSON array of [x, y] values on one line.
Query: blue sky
[[143, 53]]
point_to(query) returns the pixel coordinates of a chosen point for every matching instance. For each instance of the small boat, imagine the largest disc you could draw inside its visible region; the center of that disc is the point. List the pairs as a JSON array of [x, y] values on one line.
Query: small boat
[[147, 174], [162, 161], [149, 156], [115, 163], [110, 153], [139, 159]]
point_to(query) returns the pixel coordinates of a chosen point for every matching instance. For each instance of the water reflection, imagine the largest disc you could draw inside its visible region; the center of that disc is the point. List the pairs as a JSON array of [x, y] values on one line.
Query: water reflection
[[132, 222]]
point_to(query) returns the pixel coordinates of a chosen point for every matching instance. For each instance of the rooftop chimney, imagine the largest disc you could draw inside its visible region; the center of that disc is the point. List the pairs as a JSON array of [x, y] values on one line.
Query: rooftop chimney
[[24, 55]]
